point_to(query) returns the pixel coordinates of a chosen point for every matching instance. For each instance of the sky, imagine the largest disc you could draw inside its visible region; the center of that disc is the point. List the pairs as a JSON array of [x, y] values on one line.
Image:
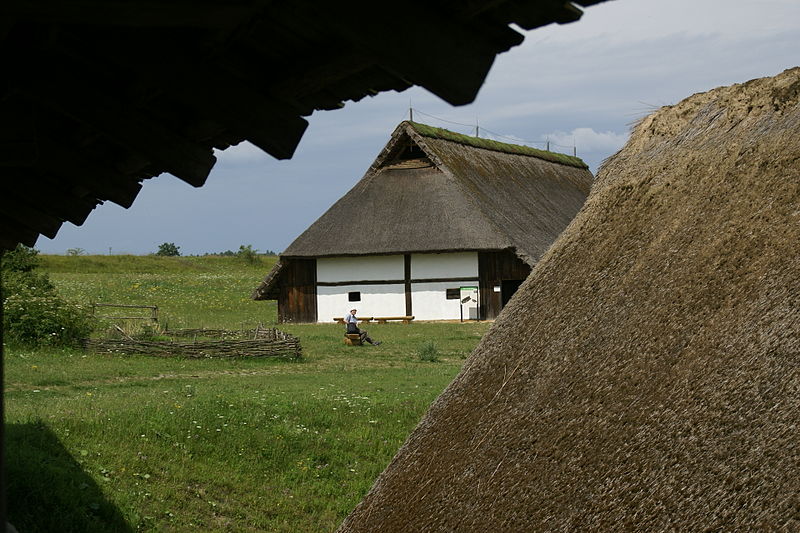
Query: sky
[[582, 84]]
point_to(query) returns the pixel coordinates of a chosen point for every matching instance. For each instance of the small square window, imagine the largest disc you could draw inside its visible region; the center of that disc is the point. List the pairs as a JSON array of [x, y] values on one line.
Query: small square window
[[453, 294], [354, 296]]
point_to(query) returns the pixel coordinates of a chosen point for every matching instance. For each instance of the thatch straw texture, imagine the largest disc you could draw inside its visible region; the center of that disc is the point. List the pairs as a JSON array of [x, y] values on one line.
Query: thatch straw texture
[[527, 200], [396, 210], [647, 374], [457, 196]]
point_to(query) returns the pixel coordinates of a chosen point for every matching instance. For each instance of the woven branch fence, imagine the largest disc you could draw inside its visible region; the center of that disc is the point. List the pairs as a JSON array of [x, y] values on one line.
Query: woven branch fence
[[261, 342]]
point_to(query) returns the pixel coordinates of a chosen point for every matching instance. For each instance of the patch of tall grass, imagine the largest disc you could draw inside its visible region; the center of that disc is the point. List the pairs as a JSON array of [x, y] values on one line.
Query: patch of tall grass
[[153, 264], [207, 291], [428, 352]]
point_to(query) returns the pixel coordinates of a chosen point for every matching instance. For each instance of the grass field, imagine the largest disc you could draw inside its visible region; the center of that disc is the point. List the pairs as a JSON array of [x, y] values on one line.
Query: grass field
[[132, 443], [206, 291]]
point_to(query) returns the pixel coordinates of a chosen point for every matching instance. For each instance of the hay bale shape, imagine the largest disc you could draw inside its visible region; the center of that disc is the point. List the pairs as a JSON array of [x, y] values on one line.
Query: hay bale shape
[[647, 374]]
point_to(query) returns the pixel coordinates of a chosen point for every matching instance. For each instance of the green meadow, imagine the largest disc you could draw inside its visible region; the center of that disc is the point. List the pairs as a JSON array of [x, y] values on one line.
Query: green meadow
[[98, 442], [208, 291]]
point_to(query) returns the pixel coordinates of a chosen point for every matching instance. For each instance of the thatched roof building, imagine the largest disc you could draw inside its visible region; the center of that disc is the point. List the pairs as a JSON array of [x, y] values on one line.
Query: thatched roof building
[[647, 374], [432, 191]]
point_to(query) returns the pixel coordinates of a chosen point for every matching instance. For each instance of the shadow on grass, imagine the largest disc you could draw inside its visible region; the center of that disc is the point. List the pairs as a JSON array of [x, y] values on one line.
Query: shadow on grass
[[48, 490]]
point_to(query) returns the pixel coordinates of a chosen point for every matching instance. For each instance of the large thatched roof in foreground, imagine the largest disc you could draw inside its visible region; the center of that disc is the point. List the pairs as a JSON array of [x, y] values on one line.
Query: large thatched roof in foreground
[[99, 96], [432, 190], [647, 375]]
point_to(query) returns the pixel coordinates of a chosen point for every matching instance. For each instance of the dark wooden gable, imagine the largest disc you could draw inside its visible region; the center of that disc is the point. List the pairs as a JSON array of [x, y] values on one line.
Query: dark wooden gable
[[502, 269], [297, 291]]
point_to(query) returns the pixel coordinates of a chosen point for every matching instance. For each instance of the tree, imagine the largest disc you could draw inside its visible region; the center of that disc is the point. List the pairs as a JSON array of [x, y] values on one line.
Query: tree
[[75, 251], [168, 249]]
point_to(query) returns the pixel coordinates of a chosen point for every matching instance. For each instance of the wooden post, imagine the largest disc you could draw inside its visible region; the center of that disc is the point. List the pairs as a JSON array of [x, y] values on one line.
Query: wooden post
[[407, 282]]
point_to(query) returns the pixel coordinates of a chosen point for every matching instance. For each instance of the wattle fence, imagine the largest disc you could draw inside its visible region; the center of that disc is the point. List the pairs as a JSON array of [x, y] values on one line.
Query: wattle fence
[[260, 342]]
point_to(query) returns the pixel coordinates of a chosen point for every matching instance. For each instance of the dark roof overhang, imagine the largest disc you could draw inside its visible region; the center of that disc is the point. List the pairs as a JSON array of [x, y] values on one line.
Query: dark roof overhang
[[98, 96]]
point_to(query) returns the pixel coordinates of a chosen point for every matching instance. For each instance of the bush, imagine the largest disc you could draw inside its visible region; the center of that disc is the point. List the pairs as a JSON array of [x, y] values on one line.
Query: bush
[[26, 283], [44, 320], [248, 254], [21, 259], [168, 249], [33, 312], [428, 352]]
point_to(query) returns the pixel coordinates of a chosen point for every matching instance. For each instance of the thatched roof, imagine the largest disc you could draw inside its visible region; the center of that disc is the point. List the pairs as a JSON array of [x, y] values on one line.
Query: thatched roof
[[489, 144], [104, 95], [453, 194], [432, 190], [647, 374]]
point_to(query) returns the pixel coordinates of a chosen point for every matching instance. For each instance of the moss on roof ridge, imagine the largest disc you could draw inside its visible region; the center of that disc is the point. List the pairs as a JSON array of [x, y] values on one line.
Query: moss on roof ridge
[[488, 144]]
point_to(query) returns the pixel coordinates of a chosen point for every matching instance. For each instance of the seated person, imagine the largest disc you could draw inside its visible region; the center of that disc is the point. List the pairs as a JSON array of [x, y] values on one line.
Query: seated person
[[352, 327]]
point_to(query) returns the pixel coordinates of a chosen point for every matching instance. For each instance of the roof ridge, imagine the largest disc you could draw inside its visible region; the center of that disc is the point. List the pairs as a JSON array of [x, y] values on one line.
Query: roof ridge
[[488, 144], [465, 218], [467, 192]]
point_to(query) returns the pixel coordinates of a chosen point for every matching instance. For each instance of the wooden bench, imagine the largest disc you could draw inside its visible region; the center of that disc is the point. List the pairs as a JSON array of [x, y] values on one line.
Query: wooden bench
[[364, 319], [378, 319], [352, 339], [385, 319]]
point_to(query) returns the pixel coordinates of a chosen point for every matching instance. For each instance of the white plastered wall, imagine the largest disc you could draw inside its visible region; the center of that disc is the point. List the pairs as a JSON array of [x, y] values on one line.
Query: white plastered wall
[[446, 265], [377, 267], [428, 299], [376, 300]]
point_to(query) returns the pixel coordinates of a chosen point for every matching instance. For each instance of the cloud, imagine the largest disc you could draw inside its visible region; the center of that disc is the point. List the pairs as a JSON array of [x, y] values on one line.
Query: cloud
[[648, 19], [588, 140]]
